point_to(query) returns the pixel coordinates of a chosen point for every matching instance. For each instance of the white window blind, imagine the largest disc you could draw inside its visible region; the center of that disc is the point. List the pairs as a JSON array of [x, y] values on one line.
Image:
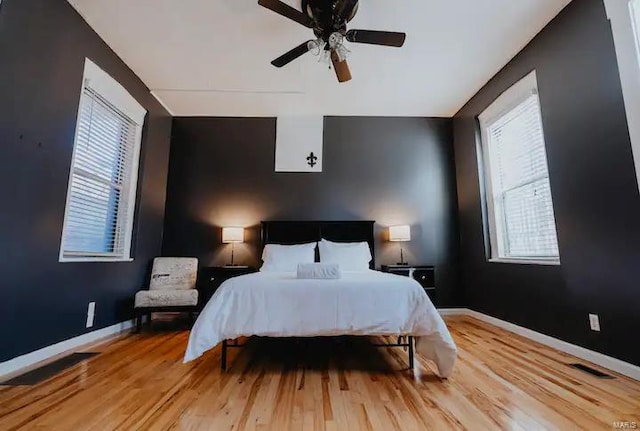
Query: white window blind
[[101, 196], [521, 218]]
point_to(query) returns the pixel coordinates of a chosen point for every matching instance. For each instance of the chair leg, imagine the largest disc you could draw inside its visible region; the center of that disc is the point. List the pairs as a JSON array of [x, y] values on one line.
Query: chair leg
[[192, 318], [138, 317]]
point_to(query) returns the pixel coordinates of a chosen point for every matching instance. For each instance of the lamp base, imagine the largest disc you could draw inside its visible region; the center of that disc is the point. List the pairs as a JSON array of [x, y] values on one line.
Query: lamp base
[[402, 262]]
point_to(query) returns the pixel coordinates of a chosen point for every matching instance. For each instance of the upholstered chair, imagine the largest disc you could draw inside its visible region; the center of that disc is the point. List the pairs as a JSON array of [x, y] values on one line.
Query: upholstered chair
[[172, 288]]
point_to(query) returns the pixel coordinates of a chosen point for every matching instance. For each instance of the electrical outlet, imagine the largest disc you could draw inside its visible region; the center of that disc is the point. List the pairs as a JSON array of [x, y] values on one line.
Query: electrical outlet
[[91, 311], [594, 322]]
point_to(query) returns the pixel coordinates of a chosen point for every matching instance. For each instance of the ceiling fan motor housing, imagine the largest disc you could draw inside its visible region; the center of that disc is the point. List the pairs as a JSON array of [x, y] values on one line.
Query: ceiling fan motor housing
[[323, 13]]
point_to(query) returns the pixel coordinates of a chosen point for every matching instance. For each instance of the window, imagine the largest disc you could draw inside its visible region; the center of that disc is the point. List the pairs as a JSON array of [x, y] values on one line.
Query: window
[[101, 196], [520, 210], [625, 24], [634, 10]]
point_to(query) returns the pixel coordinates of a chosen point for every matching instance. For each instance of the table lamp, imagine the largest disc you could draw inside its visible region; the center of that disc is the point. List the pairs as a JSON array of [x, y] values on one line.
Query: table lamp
[[400, 234], [232, 235]]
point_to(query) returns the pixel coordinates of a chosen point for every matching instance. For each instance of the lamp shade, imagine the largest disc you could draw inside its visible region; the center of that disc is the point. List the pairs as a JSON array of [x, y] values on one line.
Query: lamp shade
[[400, 233], [232, 234]]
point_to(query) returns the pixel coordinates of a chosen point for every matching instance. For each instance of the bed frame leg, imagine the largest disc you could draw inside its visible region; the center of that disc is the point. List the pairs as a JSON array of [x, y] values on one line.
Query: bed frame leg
[[224, 356], [410, 339]]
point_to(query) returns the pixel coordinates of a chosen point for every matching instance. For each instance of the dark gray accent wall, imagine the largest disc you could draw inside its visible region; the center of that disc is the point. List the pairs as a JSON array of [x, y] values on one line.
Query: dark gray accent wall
[[595, 194], [43, 44], [392, 170]]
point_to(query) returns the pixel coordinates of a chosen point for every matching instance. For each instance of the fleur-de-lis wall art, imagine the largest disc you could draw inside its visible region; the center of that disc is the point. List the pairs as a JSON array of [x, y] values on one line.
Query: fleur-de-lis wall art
[[299, 144], [312, 160]]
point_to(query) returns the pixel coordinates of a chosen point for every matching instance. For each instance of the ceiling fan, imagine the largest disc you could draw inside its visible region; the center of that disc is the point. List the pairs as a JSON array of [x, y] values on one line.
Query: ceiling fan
[[328, 19]]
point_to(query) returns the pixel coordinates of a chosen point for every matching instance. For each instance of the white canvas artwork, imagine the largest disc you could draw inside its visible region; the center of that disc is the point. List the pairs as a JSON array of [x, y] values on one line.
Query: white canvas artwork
[[299, 142]]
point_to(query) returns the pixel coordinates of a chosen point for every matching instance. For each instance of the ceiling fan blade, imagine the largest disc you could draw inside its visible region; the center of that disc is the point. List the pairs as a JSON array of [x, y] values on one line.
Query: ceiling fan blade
[[346, 9], [296, 52], [287, 11], [341, 67], [386, 38]]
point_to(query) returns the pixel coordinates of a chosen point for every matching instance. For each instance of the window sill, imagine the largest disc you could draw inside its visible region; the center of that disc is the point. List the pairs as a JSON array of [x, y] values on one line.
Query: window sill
[[526, 261], [93, 259]]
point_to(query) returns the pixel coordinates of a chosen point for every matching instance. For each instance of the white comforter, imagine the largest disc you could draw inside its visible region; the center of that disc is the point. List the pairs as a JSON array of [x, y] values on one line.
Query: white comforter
[[360, 303]]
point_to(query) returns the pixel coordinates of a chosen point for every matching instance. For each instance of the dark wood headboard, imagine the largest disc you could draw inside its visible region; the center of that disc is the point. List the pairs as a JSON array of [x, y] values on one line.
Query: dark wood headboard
[[298, 232]]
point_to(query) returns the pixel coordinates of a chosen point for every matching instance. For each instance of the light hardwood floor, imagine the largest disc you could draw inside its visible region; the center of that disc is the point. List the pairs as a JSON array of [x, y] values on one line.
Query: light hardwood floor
[[501, 381]]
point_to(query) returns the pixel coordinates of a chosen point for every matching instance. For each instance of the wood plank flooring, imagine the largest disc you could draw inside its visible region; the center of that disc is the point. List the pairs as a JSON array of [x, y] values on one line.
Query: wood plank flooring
[[502, 381]]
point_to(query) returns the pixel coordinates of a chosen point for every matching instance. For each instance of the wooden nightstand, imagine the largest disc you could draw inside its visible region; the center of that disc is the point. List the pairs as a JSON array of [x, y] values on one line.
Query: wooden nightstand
[[210, 278], [423, 274]]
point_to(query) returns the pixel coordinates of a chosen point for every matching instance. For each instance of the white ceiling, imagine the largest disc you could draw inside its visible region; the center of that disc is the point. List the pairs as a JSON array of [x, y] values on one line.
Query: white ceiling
[[212, 57]]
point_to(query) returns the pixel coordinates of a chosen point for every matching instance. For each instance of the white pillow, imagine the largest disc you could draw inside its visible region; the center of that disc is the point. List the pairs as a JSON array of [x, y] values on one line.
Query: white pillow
[[351, 256], [285, 258]]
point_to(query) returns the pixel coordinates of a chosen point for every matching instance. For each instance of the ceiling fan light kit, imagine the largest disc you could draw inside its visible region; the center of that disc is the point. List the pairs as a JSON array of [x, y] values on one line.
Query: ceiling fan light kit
[[329, 19]]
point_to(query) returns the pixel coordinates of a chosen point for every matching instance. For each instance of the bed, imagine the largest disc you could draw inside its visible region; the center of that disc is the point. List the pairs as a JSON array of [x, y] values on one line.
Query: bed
[[360, 303]]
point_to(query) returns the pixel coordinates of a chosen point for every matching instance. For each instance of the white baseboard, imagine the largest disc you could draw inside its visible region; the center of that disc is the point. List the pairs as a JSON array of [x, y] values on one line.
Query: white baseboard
[[453, 311], [25, 361], [605, 361]]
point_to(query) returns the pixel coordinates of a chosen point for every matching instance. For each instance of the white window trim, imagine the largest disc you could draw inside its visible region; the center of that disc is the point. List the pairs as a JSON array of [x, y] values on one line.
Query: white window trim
[[507, 101], [118, 96], [115, 93], [624, 38], [549, 262]]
